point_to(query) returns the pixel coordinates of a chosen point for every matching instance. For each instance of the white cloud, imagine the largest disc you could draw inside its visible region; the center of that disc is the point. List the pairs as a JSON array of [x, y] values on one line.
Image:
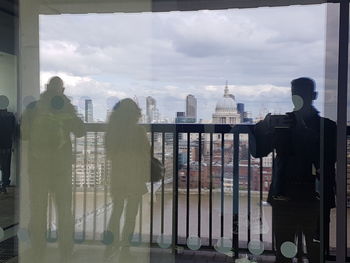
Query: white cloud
[[211, 88], [79, 88], [169, 55]]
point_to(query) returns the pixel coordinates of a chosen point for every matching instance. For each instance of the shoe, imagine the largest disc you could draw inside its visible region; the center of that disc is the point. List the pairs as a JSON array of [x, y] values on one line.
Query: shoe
[[316, 238], [3, 190]]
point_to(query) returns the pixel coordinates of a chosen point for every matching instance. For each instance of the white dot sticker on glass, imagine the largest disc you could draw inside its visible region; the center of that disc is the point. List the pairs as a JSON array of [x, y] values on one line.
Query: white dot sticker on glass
[[256, 247], [289, 249], [194, 243]]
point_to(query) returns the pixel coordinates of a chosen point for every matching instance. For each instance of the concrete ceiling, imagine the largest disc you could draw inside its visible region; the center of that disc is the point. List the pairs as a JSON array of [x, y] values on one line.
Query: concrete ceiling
[[115, 6]]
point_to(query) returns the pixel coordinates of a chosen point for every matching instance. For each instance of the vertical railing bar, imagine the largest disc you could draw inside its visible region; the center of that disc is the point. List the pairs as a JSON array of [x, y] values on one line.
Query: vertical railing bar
[[85, 186], [95, 187], [324, 252], [211, 190], [175, 192], [105, 189], [260, 199], [273, 226], [222, 184], [74, 198], [235, 195], [140, 220], [152, 189], [188, 187], [199, 182], [342, 102], [162, 204], [249, 194]]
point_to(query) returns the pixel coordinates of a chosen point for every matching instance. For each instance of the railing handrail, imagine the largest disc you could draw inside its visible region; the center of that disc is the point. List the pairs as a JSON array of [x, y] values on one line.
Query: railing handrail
[[185, 127], [181, 127]]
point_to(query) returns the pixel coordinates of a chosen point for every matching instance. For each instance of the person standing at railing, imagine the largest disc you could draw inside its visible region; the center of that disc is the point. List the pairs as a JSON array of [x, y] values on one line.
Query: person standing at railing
[[298, 138], [47, 125], [7, 137], [128, 149]]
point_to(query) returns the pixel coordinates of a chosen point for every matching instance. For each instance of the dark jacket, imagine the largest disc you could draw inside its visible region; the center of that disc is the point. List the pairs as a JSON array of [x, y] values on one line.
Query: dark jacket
[[306, 150], [7, 129]]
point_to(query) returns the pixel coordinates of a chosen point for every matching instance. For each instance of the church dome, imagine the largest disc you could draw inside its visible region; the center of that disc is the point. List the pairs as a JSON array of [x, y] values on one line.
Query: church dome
[[227, 103]]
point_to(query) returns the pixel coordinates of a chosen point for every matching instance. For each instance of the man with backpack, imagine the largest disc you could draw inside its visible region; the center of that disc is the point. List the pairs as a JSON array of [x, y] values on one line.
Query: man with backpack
[[7, 137]]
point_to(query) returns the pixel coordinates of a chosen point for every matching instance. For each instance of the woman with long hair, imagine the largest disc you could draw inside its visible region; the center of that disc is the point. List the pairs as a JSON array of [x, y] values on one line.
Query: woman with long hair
[[128, 149]]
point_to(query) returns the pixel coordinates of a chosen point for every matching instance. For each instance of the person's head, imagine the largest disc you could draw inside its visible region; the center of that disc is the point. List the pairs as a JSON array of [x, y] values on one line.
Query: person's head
[[128, 110], [303, 92], [55, 85], [4, 102]]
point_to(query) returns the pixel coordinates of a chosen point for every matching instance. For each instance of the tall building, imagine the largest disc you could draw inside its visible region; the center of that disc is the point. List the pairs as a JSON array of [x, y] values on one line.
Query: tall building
[[191, 106], [89, 111], [240, 108], [152, 113]]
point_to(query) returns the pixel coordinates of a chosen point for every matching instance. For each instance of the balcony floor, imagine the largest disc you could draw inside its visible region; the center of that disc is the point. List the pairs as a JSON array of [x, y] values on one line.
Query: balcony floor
[[88, 253]]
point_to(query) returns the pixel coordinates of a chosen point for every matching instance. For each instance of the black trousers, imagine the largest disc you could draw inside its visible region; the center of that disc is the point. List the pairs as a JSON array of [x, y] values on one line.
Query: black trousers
[[5, 166], [289, 219]]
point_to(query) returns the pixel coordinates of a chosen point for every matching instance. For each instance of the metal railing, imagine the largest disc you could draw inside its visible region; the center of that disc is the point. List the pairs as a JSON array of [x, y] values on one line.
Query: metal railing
[[91, 182], [167, 142]]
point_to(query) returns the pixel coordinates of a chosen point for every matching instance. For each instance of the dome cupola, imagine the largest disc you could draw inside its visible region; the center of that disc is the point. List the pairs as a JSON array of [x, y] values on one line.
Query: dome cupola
[[227, 103]]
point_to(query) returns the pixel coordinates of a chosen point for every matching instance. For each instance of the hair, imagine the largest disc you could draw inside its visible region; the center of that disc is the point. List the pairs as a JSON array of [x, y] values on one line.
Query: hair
[[304, 84], [54, 83], [126, 110], [4, 102], [122, 124]]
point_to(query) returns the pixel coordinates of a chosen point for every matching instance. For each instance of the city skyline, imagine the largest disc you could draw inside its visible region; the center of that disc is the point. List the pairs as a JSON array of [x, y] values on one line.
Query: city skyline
[[227, 111], [83, 104]]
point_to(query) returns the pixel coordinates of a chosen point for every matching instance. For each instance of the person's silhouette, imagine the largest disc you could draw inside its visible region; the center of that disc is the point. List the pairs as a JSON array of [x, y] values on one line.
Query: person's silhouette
[[47, 124], [7, 136], [128, 149], [294, 194]]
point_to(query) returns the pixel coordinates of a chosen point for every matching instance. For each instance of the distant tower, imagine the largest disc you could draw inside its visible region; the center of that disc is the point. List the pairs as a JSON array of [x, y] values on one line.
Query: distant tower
[[152, 113], [191, 106], [89, 111], [240, 110]]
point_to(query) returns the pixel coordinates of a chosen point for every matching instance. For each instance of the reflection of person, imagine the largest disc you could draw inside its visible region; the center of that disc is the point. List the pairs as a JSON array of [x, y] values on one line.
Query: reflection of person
[[7, 136], [293, 192], [128, 149], [47, 125]]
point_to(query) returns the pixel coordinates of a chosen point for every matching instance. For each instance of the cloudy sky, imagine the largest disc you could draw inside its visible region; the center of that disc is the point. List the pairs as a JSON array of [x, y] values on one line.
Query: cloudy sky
[[169, 55]]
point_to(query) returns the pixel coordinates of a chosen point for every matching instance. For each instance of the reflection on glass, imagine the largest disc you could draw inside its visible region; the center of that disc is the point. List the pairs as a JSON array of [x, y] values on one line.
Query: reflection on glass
[[298, 138], [129, 150], [47, 125]]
